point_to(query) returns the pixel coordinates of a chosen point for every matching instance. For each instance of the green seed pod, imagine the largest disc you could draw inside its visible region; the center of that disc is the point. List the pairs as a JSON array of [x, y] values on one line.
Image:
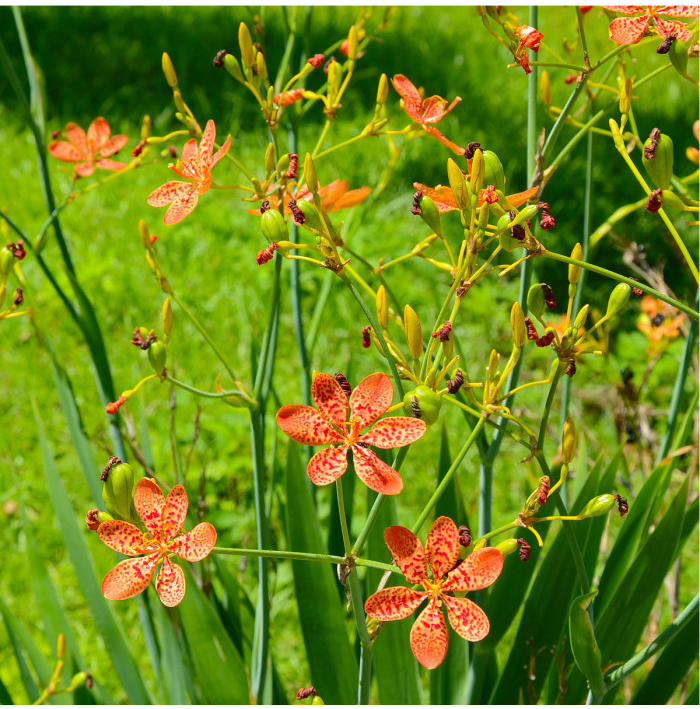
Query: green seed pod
[[660, 167], [458, 184], [508, 546], [382, 308], [78, 681], [414, 332], [158, 356], [671, 199], [575, 271], [310, 170], [493, 170], [103, 516], [234, 68], [7, 263], [245, 42], [525, 214], [517, 321], [317, 700], [678, 54], [536, 302], [118, 491], [430, 214], [273, 226], [504, 224], [598, 506], [618, 299], [169, 71], [583, 643], [568, 441], [423, 403], [313, 218], [508, 243], [581, 318]]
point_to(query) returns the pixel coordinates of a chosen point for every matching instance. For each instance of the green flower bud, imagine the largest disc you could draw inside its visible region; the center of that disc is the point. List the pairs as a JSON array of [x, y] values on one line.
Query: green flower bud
[[508, 546], [7, 263], [273, 226], [457, 184], [167, 316], [382, 90], [414, 332], [313, 218], [158, 356], [678, 55], [517, 321], [671, 199], [260, 67], [382, 308], [575, 271], [352, 43], [618, 299], [146, 126], [626, 96], [493, 171], [476, 179], [118, 491], [581, 318], [310, 169], [245, 42], [423, 403], [568, 441], [598, 506], [583, 643], [660, 167], [270, 158], [179, 102], [536, 302], [545, 89], [484, 215], [234, 68], [169, 71], [78, 680], [430, 214]]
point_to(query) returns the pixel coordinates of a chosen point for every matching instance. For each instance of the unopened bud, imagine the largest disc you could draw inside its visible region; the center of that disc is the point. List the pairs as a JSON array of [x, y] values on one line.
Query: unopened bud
[[568, 441], [581, 318], [536, 301], [517, 322], [575, 271], [508, 546], [310, 174], [382, 90], [458, 184], [245, 42], [382, 308], [352, 43], [260, 67], [598, 506], [476, 178], [626, 96], [179, 102], [234, 68], [145, 235], [545, 89], [169, 71], [167, 316], [618, 299], [146, 127]]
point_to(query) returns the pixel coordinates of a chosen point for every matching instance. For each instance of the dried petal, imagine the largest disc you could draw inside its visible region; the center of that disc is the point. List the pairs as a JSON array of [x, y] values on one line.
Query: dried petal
[[442, 547], [479, 570], [408, 553], [429, 637], [393, 603]]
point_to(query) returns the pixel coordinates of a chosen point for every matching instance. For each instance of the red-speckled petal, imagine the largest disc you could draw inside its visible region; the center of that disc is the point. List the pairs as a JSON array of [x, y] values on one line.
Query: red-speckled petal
[[130, 577], [67, 152], [174, 513], [467, 619], [98, 134], [408, 553], [85, 169], [196, 544], [220, 152], [371, 398], [375, 473], [330, 399], [433, 108], [394, 432], [181, 207], [121, 536], [628, 30], [168, 192], [149, 502], [328, 465], [626, 9], [170, 584], [113, 145], [442, 547], [442, 196], [410, 95], [479, 570], [520, 198], [106, 164], [429, 637], [304, 424], [206, 145], [393, 603], [667, 27], [432, 130], [77, 136], [679, 11]]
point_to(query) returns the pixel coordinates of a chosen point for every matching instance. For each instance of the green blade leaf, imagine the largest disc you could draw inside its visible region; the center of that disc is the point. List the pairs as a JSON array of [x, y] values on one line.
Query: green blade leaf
[[172, 666]]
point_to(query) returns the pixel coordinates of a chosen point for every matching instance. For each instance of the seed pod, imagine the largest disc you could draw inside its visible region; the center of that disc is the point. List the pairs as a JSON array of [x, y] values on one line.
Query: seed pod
[[524, 215], [317, 700], [545, 89], [618, 299], [169, 71], [575, 271], [234, 68], [118, 491], [536, 302], [310, 173], [311, 215], [580, 321], [158, 356], [517, 322], [660, 166], [678, 54], [245, 42], [583, 643], [382, 308], [671, 199], [430, 214], [458, 184], [414, 332], [428, 403], [274, 226], [167, 316], [568, 441], [598, 506], [507, 546], [493, 171]]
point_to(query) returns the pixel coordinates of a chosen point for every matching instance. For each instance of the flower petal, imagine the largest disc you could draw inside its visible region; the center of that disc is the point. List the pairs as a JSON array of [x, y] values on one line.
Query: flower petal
[[196, 544], [375, 473], [174, 512], [220, 152], [149, 502], [410, 95], [65, 151], [667, 27], [170, 584], [113, 145], [371, 398], [129, 577], [328, 465], [106, 164], [98, 134], [304, 424], [167, 193], [408, 553], [519, 198], [394, 432], [433, 109], [350, 198], [330, 399], [121, 536], [679, 11], [190, 151], [467, 619], [626, 9], [442, 196], [429, 637], [479, 570], [442, 547], [77, 136], [181, 207], [628, 30], [432, 130], [393, 603], [206, 144], [85, 169]]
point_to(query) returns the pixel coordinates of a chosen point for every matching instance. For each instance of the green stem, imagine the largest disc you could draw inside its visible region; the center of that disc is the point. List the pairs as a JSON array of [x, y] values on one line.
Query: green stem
[[212, 394], [358, 609], [343, 519]]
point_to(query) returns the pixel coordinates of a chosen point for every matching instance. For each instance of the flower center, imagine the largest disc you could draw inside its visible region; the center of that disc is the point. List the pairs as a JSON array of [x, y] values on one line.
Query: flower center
[[151, 545], [354, 433], [433, 588]]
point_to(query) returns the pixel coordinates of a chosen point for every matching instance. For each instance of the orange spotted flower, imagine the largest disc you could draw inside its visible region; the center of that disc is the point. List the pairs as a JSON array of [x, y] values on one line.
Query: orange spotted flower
[[425, 111], [194, 165], [445, 200], [429, 633], [334, 196], [164, 518], [91, 150], [629, 30], [659, 320], [330, 425]]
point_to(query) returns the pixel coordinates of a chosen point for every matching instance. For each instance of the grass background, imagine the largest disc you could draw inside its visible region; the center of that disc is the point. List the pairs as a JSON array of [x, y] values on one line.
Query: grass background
[[106, 61]]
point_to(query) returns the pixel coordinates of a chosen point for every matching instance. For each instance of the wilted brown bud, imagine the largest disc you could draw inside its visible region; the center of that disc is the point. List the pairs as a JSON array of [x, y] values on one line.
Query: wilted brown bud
[[465, 536], [524, 550], [366, 336], [622, 505], [219, 58], [654, 202], [344, 383]]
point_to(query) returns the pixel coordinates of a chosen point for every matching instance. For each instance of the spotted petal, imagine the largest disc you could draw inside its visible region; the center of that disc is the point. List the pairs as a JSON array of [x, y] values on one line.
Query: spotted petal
[[375, 473], [442, 546], [328, 465], [479, 570], [149, 502], [170, 584], [174, 513], [121, 536], [442, 196], [113, 145], [433, 109], [304, 424], [667, 27], [65, 151], [330, 399], [679, 11], [626, 9], [196, 544], [98, 134], [432, 130], [77, 136], [467, 619], [393, 603], [85, 169], [519, 198], [408, 553], [206, 145], [371, 398], [628, 30], [129, 577], [167, 193], [181, 206], [429, 637], [220, 152], [394, 432], [106, 164], [349, 198], [409, 93]]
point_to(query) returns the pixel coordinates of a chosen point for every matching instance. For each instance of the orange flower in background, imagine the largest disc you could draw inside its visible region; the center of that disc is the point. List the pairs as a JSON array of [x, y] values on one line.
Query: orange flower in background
[[445, 200], [164, 518], [334, 196], [91, 150], [289, 97], [195, 165], [425, 111], [441, 554], [630, 30], [659, 321], [529, 37], [330, 425]]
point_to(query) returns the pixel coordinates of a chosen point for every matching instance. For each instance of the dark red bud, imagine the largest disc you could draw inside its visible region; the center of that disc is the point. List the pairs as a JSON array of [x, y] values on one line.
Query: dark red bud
[[344, 383], [138, 149], [293, 166], [415, 207], [366, 336], [654, 202], [543, 491], [19, 297], [18, 249], [219, 58], [571, 368], [471, 149], [454, 385], [55, 134], [266, 254], [570, 79], [444, 332], [622, 505], [524, 550], [665, 46], [297, 214], [316, 60], [306, 692]]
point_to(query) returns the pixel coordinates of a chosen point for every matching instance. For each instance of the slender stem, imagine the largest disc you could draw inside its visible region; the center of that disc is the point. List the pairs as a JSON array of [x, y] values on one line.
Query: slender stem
[[365, 678], [343, 519], [212, 394]]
